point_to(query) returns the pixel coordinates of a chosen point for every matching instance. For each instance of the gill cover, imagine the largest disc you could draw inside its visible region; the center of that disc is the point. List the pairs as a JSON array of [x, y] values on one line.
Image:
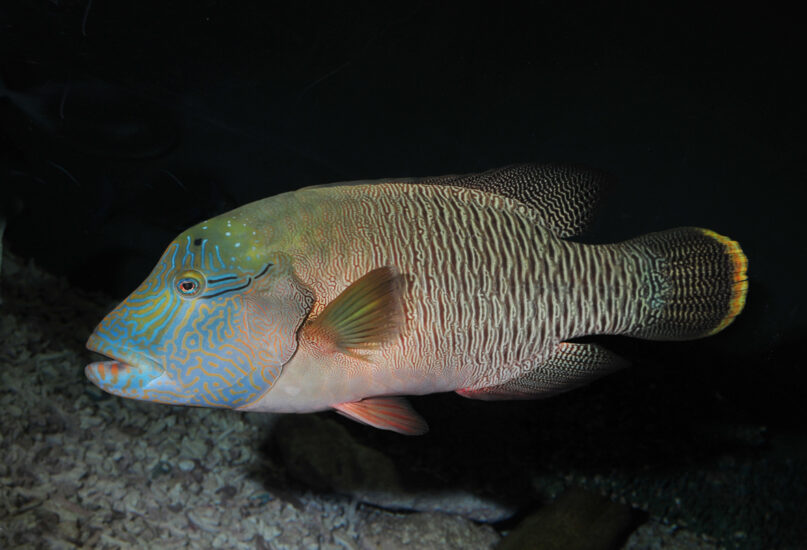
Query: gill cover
[[208, 327]]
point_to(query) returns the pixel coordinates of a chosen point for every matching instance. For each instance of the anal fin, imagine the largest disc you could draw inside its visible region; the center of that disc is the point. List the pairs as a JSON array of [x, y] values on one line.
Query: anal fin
[[386, 413], [570, 366]]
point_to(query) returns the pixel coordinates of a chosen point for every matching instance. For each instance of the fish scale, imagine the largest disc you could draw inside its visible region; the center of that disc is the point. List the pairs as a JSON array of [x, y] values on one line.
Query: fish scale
[[459, 225], [346, 296]]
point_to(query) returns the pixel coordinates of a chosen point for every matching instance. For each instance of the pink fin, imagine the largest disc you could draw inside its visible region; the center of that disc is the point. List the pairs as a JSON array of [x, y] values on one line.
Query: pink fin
[[386, 413]]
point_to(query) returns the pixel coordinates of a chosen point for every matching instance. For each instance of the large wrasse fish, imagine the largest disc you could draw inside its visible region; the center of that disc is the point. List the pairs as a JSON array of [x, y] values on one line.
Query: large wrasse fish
[[350, 295]]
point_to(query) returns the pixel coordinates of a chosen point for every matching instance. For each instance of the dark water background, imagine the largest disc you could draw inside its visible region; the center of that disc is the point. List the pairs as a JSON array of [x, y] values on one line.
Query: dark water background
[[124, 123]]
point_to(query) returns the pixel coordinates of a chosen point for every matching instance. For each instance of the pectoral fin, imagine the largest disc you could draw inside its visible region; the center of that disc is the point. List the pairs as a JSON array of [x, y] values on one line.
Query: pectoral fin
[[570, 366], [386, 413], [368, 313]]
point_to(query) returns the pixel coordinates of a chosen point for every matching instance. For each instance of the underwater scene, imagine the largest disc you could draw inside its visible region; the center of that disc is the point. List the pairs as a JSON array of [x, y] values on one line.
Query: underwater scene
[[352, 275]]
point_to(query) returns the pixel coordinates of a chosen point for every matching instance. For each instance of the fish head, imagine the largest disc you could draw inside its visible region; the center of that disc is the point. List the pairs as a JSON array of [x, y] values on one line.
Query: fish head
[[212, 325]]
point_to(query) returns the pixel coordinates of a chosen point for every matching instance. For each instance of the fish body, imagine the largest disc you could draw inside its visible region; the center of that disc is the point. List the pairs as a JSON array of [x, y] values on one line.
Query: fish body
[[347, 295]]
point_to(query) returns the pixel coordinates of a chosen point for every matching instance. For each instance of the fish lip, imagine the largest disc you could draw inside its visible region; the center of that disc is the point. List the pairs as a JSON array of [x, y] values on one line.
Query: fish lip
[[125, 356], [127, 373]]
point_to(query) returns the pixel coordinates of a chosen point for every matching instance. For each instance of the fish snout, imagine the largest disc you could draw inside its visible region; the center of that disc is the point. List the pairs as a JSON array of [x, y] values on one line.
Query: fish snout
[[124, 379]]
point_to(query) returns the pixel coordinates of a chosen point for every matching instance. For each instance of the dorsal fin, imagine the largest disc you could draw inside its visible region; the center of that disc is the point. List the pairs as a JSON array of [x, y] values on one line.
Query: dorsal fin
[[564, 195]]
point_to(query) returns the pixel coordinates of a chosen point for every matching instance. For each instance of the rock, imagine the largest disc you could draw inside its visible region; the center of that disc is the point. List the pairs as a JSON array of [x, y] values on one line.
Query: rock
[[263, 420], [657, 536], [425, 531], [321, 453], [458, 502], [577, 520]]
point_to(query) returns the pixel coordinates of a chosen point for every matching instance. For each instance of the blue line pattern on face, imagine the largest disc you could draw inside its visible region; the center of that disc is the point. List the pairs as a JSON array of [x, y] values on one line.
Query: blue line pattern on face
[[208, 350], [213, 282], [202, 254], [228, 290]]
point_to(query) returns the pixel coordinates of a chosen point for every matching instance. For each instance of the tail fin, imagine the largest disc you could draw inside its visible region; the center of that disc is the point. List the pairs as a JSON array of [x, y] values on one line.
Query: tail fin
[[697, 284]]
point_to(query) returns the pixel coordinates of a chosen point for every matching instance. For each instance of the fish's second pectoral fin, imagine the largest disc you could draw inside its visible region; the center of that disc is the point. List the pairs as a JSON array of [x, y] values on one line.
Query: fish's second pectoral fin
[[386, 413], [368, 313], [570, 366]]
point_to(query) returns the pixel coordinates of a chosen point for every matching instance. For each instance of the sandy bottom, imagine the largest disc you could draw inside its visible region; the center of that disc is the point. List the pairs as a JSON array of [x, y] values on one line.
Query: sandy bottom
[[81, 469]]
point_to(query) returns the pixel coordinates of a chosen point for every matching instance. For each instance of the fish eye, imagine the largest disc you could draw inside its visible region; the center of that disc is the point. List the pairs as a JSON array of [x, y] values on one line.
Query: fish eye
[[189, 284]]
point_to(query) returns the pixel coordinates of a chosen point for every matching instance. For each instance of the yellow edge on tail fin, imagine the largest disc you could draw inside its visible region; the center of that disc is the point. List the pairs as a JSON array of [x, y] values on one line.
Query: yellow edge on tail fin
[[740, 277]]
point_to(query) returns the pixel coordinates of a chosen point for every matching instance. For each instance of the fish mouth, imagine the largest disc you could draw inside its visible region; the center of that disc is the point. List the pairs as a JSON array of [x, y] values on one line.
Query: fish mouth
[[126, 373]]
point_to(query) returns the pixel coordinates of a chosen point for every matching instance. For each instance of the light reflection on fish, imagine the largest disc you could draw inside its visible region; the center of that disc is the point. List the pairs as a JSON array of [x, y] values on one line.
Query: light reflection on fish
[[348, 296]]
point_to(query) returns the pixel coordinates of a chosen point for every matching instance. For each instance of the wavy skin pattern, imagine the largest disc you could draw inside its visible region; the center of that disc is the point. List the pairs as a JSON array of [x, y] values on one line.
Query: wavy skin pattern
[[490, 290]]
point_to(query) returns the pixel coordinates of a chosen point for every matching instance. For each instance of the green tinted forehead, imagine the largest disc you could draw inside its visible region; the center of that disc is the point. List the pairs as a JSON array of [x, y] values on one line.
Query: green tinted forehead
[[232, 239]]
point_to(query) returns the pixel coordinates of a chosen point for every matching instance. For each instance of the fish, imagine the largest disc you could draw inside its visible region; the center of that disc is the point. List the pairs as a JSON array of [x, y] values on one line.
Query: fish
[[351, 296]]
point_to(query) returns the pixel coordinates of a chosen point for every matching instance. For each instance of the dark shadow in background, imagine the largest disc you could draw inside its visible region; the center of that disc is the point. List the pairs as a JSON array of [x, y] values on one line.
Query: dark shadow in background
[[699, 114]]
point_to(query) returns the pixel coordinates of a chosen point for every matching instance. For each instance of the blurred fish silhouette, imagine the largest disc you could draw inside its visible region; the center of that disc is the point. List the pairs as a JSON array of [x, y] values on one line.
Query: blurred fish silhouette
[[96, 117], [347, 296]]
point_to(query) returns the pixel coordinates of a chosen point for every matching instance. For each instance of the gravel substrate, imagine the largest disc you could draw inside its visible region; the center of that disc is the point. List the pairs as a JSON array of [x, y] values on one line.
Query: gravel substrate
[[82, 469]]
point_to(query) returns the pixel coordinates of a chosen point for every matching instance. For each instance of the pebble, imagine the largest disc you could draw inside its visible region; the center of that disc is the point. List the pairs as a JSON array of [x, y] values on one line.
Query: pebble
[[187, 465]]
